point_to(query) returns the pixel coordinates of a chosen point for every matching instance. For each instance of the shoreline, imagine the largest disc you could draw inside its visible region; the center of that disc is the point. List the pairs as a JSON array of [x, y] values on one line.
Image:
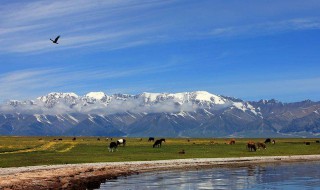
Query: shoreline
[[80, 176]]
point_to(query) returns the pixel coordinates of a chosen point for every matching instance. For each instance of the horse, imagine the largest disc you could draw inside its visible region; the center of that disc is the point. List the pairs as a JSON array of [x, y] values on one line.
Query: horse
[[262, 145], [251, 146], [113, 146], [151, 139], [158, 143], [233, 141], [121, 141], [182, 152], [74, 138], [268, 140], [273, 141]]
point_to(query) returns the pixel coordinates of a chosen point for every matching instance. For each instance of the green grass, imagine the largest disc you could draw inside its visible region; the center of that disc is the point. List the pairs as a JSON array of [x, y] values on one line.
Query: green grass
[[26, 151]]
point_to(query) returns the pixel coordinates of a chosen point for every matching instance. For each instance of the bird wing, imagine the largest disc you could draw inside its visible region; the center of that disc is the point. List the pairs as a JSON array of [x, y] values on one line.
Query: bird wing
[[57, 38]]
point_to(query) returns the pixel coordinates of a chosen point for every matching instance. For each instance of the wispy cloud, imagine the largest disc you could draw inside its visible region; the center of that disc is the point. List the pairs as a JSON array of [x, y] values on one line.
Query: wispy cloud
[[27, 26], [265, 28], [286, 90], [69, 42], [82, 23], [29, 83], [91, 29]]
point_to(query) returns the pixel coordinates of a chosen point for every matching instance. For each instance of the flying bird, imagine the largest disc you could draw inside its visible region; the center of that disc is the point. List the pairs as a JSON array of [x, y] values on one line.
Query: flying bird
[[55, 41]]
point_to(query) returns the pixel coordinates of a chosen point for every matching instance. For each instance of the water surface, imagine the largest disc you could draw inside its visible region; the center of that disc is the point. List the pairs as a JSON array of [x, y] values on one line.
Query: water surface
[[293, 176]]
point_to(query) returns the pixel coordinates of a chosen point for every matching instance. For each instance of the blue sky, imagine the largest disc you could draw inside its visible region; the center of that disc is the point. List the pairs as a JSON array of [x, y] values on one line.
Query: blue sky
[[247, 49]]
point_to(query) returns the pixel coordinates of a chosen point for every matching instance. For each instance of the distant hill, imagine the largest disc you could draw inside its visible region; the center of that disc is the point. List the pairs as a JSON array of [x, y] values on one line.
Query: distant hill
[[187, 114]]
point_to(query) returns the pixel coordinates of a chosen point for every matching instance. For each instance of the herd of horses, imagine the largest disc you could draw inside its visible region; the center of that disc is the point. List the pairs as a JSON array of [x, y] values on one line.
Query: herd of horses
[[251, 146], [114, 145]]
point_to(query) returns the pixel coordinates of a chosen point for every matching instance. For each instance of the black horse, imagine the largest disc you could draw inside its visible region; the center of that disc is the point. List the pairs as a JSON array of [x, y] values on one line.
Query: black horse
[[151, 139], [158, 143], [113, 146], [268, 140]]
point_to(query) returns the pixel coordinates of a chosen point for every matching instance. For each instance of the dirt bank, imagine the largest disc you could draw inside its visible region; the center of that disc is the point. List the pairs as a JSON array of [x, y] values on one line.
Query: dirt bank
[[80, 176]]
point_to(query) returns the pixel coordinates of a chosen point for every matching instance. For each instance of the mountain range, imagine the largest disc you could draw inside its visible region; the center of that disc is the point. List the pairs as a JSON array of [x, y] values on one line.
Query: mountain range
[[187, 114]]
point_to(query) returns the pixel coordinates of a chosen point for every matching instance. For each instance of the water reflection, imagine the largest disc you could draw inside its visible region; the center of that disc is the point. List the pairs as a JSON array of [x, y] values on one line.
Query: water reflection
[[271, 176]]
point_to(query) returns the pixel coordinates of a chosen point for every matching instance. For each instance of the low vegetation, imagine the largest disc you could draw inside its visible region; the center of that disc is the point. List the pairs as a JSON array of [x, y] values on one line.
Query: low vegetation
[[27, 151]]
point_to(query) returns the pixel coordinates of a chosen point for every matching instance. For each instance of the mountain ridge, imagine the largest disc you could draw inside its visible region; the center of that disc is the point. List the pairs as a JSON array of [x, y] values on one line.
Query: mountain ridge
[[192, 114]]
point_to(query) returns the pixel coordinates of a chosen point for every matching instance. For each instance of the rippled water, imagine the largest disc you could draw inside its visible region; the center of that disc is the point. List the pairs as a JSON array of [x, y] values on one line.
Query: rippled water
[[271, 176]]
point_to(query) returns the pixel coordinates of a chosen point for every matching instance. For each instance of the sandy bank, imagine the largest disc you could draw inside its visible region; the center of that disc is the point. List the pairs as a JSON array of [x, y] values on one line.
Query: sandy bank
[[79, 176]]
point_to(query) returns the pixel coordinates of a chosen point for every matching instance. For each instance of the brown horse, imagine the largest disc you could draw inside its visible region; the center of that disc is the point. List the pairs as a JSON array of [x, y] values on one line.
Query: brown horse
[[261, 145], [233, 141], [251, 146]]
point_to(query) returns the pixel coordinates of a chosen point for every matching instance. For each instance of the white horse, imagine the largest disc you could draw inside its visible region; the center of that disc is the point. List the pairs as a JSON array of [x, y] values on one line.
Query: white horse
[[121, 141]]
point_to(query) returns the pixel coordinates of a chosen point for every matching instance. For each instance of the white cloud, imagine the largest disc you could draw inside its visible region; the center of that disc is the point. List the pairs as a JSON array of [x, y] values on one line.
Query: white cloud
[[27, 27], [287, 90], [24, 84], [265, 28]]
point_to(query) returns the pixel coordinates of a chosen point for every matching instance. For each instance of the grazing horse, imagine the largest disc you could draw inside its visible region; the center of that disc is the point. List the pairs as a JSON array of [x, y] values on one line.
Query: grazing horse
[[261, 145], [182, 152], [121, 141], [273, 141], [113, 146], [251, 146], [268, 140], [233, 141], [74, 138], [158, 143], [151, 139]]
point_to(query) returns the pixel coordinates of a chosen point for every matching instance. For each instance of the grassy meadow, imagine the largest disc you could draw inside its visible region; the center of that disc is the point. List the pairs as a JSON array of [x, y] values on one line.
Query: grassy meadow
[[27, 151]]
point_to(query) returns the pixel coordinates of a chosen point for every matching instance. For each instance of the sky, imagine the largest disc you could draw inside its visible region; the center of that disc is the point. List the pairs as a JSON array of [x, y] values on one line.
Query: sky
[[246, 49]]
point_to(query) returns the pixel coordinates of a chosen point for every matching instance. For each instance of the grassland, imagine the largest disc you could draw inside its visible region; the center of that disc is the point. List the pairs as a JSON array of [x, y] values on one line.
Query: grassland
[[27, 151]]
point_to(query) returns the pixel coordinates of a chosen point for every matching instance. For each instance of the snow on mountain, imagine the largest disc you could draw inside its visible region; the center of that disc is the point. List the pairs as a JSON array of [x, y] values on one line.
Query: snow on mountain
[[150, 97], [96, 95], [206, 96], [198, 114], [99, 102], [58, 95], [197, 96], [54, 98]]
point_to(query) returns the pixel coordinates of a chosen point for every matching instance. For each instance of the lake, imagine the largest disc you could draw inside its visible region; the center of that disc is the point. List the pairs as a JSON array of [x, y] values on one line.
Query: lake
[[264, 176]]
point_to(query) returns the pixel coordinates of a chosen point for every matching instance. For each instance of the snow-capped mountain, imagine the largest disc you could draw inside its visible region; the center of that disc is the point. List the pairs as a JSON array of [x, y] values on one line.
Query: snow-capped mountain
[[145, 102], [198, 113], [54, 98]]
